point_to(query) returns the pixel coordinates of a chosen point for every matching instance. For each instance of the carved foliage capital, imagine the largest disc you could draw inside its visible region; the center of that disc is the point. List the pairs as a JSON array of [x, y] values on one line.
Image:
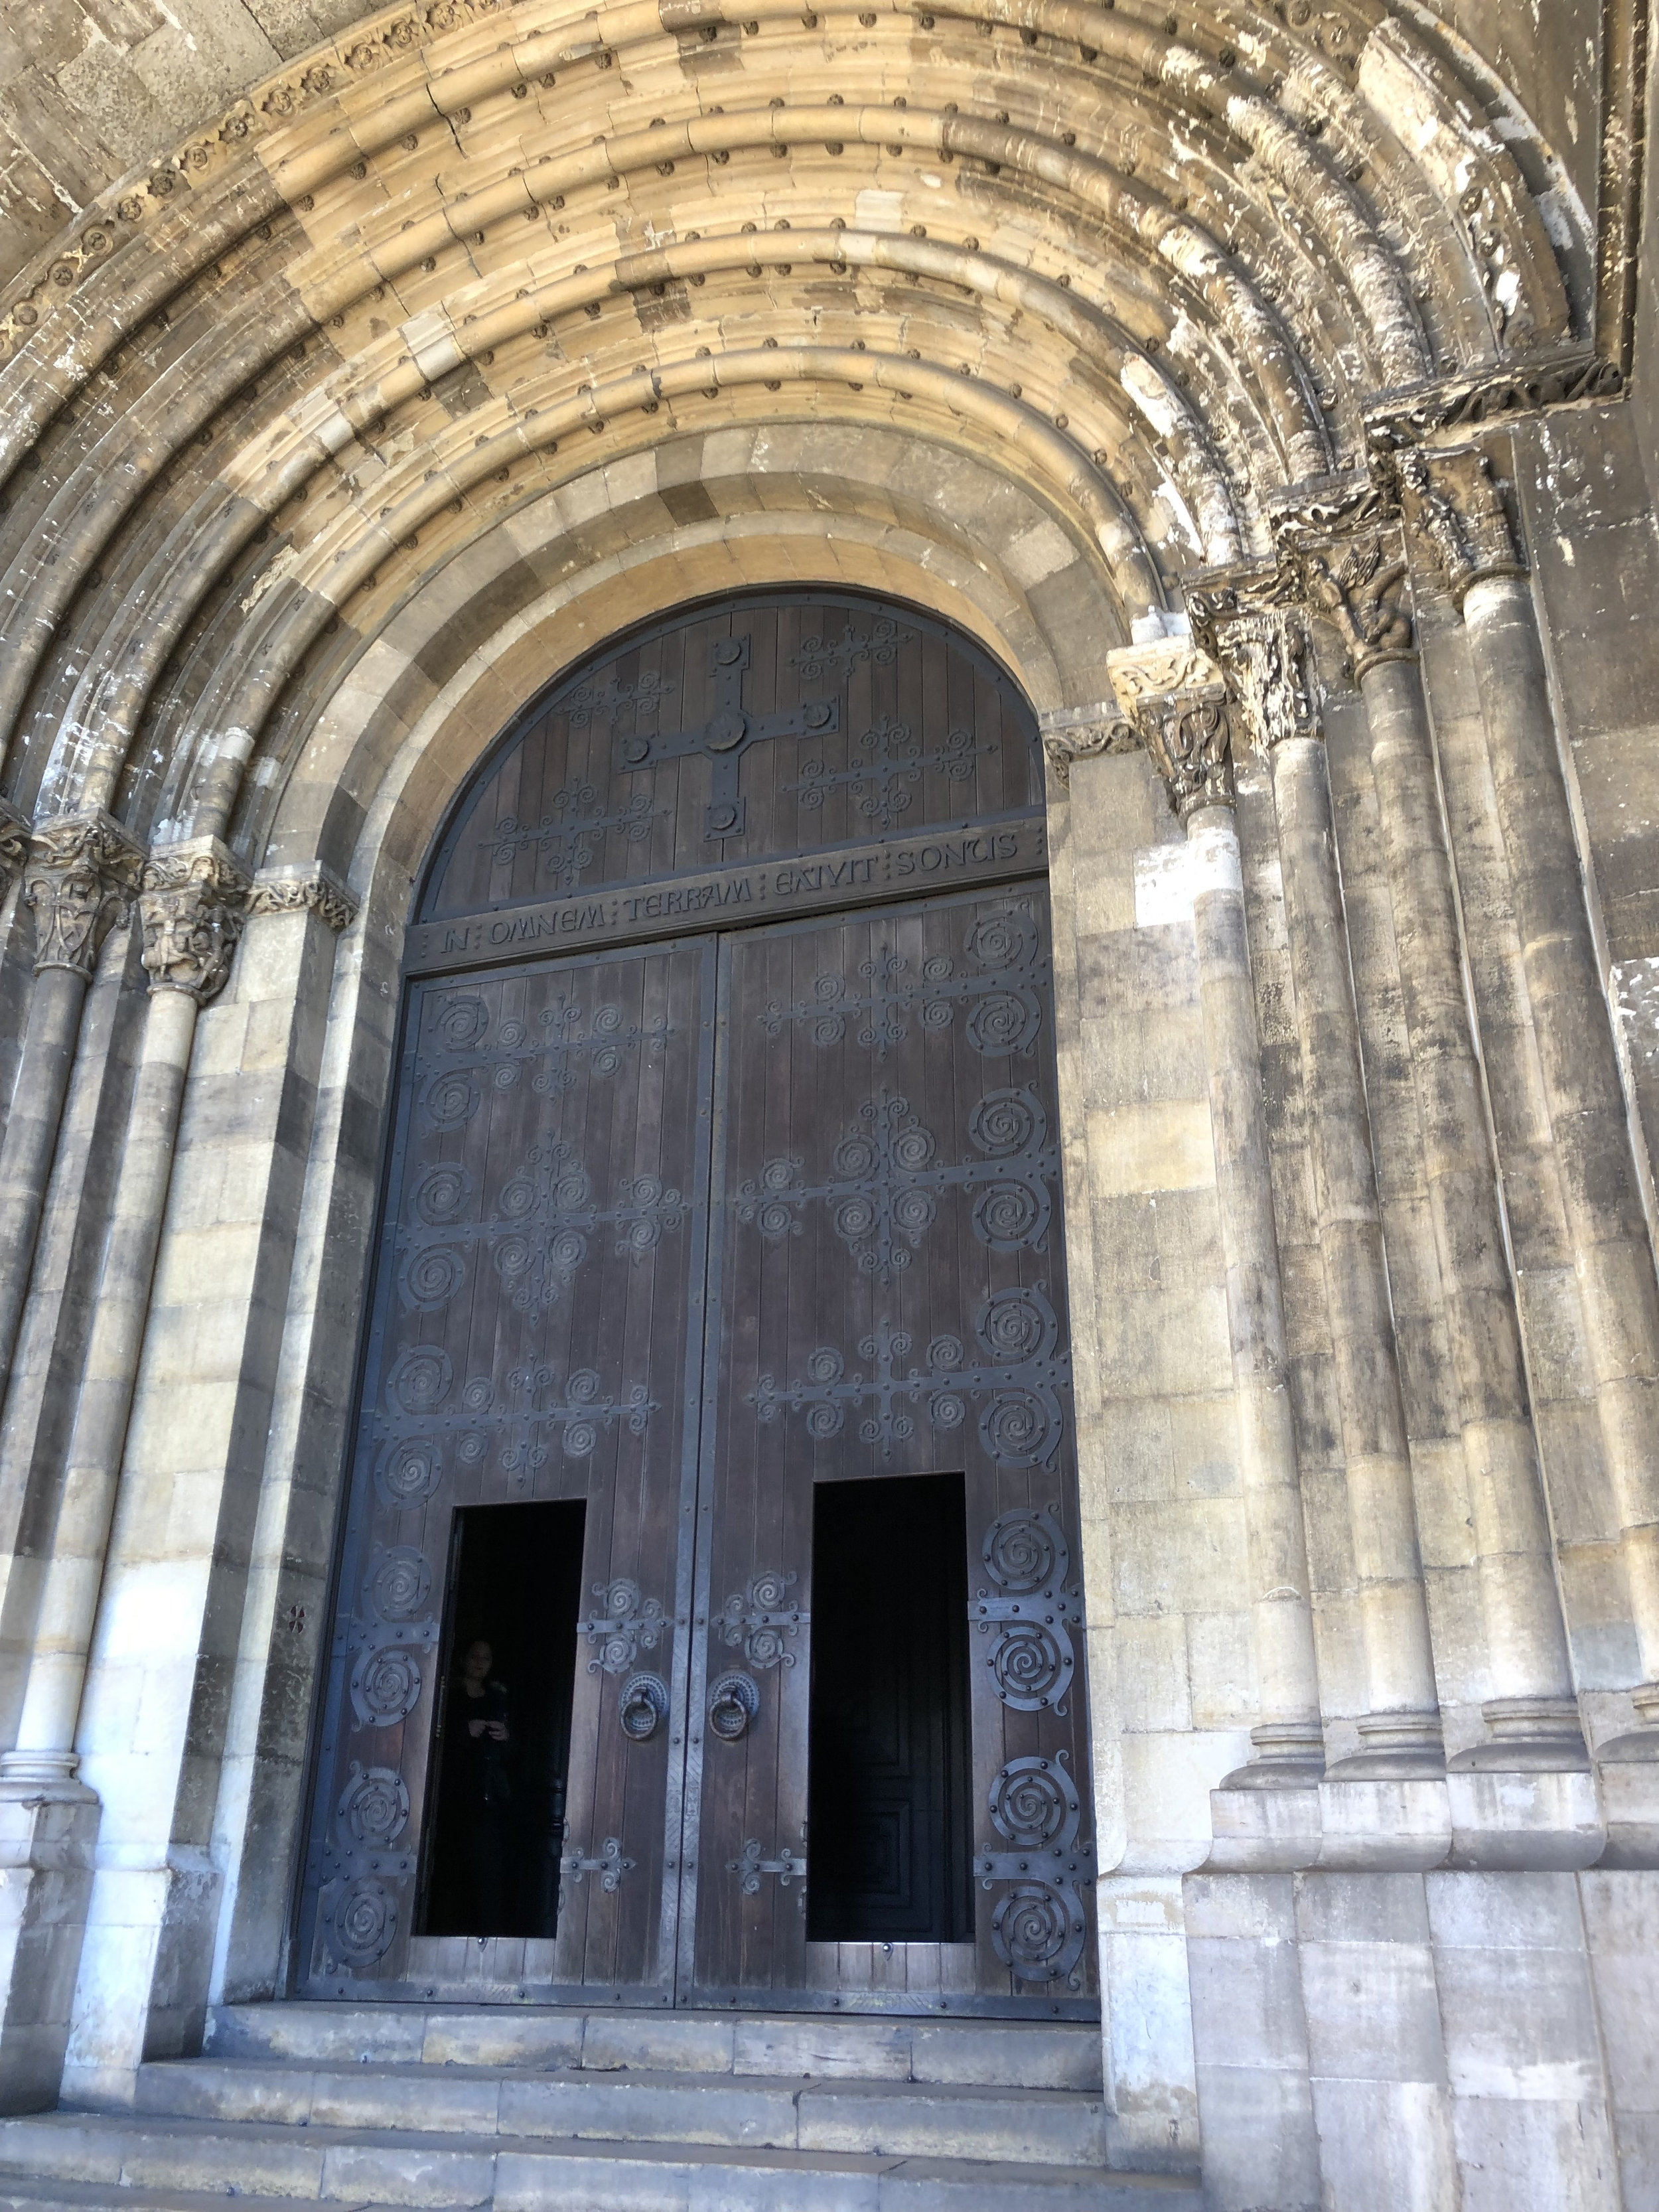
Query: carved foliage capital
[[1087, 738], [1456, 513], [1178, 699], [80, 877], [1266, 654], [191, 907]]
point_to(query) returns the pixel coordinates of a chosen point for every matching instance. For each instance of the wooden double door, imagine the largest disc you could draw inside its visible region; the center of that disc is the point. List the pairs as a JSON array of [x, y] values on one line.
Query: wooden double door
[[676, 1236]]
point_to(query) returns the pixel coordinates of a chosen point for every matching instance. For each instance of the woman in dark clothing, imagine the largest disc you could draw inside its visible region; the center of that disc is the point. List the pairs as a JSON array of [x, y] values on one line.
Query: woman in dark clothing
[[484, 1787]]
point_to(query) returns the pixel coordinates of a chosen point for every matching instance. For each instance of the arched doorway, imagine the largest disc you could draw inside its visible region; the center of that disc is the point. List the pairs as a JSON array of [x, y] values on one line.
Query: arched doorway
[[716, 1377]]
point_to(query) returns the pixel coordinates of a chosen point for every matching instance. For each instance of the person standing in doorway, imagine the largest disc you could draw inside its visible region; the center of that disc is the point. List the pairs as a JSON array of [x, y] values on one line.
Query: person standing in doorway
[[486, 1787]]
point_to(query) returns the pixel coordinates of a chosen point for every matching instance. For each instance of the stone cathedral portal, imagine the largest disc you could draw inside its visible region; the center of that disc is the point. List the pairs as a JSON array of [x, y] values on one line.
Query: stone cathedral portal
[[709, 1626]]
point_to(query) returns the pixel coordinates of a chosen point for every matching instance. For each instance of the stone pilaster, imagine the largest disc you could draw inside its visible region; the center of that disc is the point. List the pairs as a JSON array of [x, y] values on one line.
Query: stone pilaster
[[1463, 538], [1179, 702], [1263, 647]]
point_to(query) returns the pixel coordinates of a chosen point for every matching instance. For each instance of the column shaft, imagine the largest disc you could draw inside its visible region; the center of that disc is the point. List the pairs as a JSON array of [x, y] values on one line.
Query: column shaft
[[1401, 1728], [1289, 1739], [31, 1138], [1531, 1709], [1589, 1117], [46, 1736]]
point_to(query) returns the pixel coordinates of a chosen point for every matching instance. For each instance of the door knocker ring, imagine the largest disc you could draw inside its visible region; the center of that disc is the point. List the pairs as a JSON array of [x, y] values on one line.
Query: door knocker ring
[[734, 1702], [642, 1706]]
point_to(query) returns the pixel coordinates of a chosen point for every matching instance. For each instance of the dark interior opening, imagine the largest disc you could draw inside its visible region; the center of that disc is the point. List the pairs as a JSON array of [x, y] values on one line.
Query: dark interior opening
[[889, 1751], [497, 1819]]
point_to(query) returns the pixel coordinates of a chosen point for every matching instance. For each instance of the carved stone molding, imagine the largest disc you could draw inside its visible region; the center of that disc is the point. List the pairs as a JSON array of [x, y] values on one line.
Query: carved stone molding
[[14, 845], [192, 908], [1456, 513], [1521, 386], [1072, 733], [1178, 699], [310, 893], [79, 877]]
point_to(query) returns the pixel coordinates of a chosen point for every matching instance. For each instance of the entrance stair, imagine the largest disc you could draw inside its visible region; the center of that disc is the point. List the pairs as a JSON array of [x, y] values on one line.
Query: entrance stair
[[523, 2109]]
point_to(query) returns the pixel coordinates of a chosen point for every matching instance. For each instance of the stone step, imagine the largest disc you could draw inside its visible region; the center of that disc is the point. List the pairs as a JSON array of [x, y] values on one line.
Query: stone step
[[1013, 2054], [397, 2168], [1056, 2127]]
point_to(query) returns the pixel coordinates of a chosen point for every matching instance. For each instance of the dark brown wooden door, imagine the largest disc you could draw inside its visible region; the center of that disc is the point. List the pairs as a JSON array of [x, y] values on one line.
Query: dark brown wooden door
[[680, 1229], [538, 1333], [887, 1298]]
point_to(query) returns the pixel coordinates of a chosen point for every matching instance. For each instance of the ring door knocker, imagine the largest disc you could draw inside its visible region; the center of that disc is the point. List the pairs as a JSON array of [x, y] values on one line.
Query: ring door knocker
[[734, 1702], [642, 1706]]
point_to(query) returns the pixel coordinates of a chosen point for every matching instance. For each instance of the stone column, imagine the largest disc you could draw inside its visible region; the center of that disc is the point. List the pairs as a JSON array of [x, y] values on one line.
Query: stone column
[[190, 910], [1453, 502], [1533, 1713], [79, 878], [1181, 707], [1265, 651]]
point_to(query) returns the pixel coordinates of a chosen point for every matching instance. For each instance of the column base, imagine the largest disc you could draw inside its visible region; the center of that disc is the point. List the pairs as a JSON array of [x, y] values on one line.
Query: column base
[[1398, 1748], [1286, 1755], [1529, 1735], [1640, 1745], [48, 1830]]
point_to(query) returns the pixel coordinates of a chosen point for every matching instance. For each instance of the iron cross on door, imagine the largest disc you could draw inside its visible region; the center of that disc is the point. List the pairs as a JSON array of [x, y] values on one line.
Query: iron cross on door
[[727, 736]]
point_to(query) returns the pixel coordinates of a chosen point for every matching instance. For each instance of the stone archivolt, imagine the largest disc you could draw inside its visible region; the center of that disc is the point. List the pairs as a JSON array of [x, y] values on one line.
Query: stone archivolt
[[356, 361]]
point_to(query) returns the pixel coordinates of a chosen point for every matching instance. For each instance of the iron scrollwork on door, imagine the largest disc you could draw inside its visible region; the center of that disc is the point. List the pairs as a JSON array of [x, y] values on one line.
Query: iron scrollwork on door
[[422, 1420], [883, 1190], [363, 1869], [627, 1623], [610, 1866], [1026, 1556], [449, 1081], [750, 1865], [1040, 1922], [1003, 992], [1020, 1376], [360, 1910], [760, 1617]]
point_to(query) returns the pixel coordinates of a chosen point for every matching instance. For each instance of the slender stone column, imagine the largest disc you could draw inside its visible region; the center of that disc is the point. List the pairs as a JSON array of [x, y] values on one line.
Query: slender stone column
[[1457, 510], [191, 908], [1186, 732], [1265, 654], [80, 875], [1532, 1714]]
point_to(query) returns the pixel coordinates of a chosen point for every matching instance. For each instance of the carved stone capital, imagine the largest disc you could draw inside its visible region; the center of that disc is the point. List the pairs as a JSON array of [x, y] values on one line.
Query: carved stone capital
[[1361, 590], [1178, 700], [192, 908], [308, 891], [1456, 514], [1072, 733], [80, 877], [14, 845], [1265, 651]]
